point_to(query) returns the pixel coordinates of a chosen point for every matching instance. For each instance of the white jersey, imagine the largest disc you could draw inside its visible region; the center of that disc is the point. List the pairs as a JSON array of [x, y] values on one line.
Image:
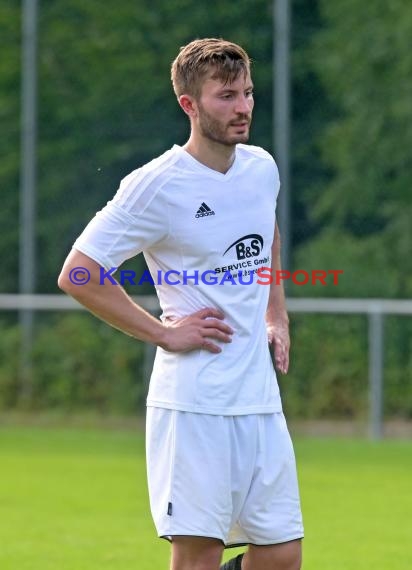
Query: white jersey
[[204, 235]]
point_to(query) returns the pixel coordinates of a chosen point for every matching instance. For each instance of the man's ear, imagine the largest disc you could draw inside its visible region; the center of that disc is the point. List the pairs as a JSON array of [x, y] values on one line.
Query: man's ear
[[188, 105]]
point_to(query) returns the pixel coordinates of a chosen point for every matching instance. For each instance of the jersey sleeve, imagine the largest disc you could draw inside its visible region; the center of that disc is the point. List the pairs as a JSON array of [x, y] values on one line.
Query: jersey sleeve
[[133, 221]]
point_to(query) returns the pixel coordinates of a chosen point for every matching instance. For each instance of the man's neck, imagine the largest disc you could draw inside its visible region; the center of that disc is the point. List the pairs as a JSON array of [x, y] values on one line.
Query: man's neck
[[216, 156]]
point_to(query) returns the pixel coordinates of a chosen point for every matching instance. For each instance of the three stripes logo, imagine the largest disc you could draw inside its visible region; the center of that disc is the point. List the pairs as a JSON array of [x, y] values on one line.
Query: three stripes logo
[[204, 210]]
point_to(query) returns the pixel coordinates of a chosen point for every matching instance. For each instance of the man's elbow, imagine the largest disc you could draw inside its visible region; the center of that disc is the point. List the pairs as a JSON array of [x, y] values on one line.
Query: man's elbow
[[77, 274], [63, 281], [67, 282]]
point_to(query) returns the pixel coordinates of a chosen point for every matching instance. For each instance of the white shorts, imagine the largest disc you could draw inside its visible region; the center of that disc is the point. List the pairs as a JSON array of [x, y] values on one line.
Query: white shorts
[[227, 477]]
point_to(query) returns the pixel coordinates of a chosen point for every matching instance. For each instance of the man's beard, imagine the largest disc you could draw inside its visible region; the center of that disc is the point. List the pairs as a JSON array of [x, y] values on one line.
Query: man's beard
[[216, 131]]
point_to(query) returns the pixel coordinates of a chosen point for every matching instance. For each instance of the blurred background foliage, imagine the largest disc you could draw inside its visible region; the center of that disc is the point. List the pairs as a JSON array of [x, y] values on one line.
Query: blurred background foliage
[[106, 107]]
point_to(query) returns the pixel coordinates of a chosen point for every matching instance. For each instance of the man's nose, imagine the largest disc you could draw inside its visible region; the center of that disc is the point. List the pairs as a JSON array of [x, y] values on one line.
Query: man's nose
[[243, 105]]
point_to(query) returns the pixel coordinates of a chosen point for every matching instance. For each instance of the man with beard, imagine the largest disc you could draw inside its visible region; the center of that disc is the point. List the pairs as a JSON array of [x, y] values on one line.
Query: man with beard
[[221, 466]]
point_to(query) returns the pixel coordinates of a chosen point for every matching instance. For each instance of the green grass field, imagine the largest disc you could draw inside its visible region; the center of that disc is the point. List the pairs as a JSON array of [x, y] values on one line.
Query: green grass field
[[76, 499]]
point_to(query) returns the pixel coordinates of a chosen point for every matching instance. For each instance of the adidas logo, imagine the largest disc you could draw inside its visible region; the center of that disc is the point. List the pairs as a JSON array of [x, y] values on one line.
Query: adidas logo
[[203, 211]]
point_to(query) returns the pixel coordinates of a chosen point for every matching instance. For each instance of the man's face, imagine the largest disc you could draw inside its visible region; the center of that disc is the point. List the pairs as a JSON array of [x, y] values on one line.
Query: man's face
[[225, 110]]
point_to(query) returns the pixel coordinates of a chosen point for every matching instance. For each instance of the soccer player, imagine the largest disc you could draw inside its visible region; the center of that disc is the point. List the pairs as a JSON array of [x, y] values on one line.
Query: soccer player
[[221, 466]]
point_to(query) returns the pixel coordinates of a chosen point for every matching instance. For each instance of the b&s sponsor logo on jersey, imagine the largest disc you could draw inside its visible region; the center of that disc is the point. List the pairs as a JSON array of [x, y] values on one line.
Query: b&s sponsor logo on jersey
[[248, 250], [246, 246]]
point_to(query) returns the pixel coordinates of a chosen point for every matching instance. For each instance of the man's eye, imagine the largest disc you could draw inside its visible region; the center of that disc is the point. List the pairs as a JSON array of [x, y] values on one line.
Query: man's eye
[[249, 93]]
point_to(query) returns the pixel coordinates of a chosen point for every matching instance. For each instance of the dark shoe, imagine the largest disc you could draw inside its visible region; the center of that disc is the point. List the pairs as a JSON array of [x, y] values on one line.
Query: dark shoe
[[233, 564]]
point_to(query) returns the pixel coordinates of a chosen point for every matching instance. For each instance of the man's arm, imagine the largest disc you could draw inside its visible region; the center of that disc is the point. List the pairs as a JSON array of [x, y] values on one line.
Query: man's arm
[[113, 305], [277, 319]]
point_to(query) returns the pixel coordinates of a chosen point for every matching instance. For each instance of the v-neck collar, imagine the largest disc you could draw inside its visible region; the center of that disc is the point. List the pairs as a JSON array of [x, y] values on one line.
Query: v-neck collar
[[206, 169]]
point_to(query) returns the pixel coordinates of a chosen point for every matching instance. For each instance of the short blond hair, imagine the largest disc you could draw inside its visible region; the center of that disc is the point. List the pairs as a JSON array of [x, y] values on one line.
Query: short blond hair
[[196, 59]]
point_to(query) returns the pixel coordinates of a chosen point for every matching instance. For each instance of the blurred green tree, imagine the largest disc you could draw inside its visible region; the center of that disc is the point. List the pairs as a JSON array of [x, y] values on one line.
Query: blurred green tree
[[363, 58], [106, 104]]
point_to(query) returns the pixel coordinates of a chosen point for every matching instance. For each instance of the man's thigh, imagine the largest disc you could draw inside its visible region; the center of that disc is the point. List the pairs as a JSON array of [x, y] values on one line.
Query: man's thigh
[[188, 463], [271, 512]]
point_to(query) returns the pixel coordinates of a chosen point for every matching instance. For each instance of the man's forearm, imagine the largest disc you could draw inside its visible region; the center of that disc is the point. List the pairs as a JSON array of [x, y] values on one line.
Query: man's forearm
[[277, 319], [276, 310], [112, 304]]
